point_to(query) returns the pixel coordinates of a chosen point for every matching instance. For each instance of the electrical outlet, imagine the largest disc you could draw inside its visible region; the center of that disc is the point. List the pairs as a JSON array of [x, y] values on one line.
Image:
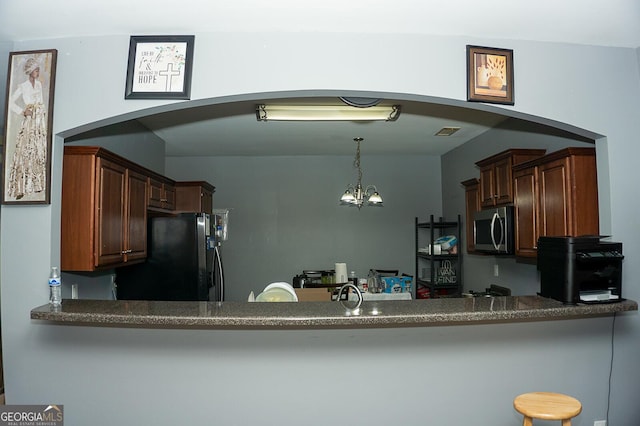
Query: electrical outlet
[[600, 423], [74, 291], [496, 270]]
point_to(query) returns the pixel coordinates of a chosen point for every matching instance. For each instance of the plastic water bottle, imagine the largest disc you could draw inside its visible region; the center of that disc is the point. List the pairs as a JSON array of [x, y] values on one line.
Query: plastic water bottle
[[55, 291]]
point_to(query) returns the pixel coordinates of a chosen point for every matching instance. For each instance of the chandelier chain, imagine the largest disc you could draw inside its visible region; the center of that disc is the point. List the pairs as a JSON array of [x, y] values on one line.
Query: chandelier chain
[[356, 162]]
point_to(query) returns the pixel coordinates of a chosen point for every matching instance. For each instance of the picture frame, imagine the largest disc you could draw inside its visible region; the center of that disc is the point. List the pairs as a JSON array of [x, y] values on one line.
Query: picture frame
[[159, 67], [26, 165], [446, 273], [490, 75]]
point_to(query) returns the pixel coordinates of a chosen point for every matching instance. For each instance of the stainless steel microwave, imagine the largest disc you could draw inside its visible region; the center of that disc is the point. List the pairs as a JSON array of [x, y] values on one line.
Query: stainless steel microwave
[[493, 230]]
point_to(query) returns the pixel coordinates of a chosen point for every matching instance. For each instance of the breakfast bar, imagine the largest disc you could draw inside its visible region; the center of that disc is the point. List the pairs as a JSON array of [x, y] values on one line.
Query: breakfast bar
[[320, 315]]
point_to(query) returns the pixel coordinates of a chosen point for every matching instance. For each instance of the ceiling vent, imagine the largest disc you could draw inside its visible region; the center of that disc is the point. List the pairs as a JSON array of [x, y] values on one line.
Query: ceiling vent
[[447, 131]]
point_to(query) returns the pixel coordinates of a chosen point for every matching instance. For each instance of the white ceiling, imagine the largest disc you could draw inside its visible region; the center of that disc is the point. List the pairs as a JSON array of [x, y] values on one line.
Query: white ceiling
[[233, 129], [595, 22]]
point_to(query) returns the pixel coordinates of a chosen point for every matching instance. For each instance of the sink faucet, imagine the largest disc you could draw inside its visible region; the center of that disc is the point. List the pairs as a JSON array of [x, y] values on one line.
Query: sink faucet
[[356, 290]]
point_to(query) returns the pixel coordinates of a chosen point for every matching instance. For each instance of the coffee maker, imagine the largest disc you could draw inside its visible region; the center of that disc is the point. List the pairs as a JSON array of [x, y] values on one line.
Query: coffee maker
[[580, 269]]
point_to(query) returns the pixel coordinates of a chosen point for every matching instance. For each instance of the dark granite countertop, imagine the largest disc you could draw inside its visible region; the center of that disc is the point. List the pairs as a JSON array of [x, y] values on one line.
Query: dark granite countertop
[[318, 315]]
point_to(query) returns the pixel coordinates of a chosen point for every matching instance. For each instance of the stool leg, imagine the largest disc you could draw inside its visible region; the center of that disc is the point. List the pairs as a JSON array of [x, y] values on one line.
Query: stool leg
[[528, 421], [566, 422]]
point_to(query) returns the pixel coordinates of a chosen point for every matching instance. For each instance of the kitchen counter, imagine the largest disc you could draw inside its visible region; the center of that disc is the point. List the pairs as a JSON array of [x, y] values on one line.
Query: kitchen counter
[[319, 315]]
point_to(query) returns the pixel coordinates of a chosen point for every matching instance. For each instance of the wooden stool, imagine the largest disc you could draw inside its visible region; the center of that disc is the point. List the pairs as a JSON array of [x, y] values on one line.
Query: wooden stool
[[547, 406]]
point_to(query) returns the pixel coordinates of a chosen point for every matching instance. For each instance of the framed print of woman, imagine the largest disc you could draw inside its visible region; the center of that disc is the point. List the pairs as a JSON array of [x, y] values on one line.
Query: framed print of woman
[[27, 142]]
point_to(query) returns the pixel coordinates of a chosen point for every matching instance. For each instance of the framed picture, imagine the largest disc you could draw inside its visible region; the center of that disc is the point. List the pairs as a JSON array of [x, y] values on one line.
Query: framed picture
[[159, 67], [490, 75], [26, 164], [446, 273]]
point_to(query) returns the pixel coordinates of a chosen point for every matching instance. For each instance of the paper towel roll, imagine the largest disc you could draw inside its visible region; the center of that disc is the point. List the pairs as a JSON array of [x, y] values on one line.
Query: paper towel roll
[[341, 273]]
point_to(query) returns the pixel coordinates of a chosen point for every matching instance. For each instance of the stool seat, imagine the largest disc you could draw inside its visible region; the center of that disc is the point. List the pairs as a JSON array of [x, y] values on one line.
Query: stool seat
[[547, 406]]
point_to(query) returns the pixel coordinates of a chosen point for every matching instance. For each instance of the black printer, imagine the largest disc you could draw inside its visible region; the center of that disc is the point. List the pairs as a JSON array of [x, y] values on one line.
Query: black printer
[[580, 269]]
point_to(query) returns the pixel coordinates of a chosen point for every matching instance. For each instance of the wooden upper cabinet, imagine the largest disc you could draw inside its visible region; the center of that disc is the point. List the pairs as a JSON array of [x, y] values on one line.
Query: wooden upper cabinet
[[496, 177], [568, 185], [496, 183], [103, 217], [472, 205], [194, 196], [556, 195], [162, 193]]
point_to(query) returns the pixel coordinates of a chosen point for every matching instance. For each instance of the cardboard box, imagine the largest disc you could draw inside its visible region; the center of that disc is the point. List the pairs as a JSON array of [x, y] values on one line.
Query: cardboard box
[[313, 294]]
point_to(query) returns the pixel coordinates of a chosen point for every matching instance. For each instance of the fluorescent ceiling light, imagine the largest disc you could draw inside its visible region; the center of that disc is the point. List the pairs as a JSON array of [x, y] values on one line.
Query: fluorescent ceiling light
[[326, 113]]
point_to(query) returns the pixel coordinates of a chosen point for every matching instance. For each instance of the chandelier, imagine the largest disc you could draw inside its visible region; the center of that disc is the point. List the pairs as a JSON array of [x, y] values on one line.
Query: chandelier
[[355, 196]]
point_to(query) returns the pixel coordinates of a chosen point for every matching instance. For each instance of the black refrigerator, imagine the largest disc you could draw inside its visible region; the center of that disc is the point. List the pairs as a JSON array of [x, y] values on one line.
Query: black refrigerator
[[183, 262]]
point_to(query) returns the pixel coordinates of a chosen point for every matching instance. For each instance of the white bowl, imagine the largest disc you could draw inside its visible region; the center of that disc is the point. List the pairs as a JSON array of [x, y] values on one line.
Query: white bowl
[[275, 295], [277, 289]]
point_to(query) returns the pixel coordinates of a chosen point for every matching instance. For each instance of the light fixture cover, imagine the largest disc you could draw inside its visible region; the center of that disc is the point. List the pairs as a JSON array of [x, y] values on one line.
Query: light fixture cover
[[375, 199], [326, 113], [347, 197]]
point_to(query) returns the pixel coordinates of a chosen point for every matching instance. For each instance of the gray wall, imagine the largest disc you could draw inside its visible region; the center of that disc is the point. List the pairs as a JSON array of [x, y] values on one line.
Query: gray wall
[[444, 375], [128, 139], [286, 215]]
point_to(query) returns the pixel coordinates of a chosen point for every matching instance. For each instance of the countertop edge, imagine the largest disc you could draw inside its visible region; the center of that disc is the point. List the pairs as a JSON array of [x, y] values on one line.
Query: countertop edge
[[318, 315]]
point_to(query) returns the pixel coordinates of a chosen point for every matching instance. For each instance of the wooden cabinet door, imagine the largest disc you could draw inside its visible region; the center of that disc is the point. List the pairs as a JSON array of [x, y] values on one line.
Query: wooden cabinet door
[[555, 202], [155, 193], [502, 182], [169, 196], [525, 201], [110, 212], [136, 217], [487, 186]]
